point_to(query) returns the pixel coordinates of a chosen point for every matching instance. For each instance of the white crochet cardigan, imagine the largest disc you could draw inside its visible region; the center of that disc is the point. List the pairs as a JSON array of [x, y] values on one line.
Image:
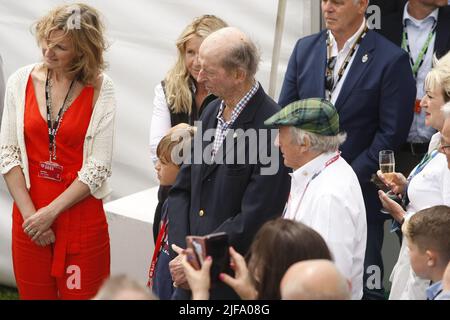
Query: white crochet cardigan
[[98, 143]]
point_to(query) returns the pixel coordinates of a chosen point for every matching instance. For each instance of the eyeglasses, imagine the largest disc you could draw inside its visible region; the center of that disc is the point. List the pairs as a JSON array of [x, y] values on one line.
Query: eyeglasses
[[329, 78]]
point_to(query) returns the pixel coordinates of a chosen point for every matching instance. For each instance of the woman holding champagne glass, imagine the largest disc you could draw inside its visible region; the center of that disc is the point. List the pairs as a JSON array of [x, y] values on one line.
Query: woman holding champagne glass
[[427, 185]]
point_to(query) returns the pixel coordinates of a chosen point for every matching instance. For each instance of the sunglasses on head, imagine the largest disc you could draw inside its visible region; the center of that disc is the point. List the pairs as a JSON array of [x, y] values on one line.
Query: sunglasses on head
[[329, 79]]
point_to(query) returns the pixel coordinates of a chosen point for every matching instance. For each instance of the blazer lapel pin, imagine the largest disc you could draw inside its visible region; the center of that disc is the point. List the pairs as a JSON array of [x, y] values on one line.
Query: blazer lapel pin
[[365, 58]]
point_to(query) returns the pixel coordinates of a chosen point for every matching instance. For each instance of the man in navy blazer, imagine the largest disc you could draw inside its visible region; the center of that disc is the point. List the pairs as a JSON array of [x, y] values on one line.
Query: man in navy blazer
[[226, 194], [372, 88]]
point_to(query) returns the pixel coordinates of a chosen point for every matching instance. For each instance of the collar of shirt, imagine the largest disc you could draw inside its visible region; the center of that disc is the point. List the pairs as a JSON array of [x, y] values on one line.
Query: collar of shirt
[[238, 108], [303, 175], [348, 44], [434, 290], [432, 17]]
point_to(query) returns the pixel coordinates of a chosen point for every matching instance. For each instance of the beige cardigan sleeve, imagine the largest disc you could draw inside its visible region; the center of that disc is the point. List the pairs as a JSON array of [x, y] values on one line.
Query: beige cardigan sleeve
[[99, 140], [10, 155]]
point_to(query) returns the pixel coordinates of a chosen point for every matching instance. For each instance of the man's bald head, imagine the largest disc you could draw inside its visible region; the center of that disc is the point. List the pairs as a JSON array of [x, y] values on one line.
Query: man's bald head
[[234, 48], [314, 280]]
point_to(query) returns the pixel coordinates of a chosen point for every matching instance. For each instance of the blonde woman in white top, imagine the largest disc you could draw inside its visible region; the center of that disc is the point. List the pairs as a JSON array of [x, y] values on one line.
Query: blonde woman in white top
[[427, 185], [56, 147]]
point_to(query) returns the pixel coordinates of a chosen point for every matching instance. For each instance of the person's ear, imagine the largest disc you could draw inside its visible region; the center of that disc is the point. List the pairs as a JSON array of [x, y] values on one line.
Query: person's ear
[[240, 74], [431, 258], [363, 5], [306, 143]]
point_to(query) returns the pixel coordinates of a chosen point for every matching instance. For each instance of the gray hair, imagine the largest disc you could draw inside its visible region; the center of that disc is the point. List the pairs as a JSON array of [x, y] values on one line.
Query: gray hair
[[319, 142], [245, 55]]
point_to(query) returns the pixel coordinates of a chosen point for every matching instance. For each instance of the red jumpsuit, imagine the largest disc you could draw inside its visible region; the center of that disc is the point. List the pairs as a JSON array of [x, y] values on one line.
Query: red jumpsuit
[[75, 266]]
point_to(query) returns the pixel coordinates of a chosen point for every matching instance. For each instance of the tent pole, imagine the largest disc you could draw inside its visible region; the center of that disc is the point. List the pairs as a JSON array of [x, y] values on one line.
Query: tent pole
[[281, 12]]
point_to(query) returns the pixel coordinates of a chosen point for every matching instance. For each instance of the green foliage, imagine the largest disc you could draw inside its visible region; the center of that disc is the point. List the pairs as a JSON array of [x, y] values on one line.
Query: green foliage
[[7, 293]]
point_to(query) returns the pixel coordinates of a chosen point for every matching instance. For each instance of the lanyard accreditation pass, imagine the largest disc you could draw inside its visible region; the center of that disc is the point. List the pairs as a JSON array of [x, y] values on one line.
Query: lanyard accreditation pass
[[421, 57], [329, 71], [50, 169]]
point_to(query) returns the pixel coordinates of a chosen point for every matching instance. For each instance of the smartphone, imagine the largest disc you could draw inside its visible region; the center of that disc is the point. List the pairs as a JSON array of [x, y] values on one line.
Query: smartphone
[[214, 245], [380, 184]]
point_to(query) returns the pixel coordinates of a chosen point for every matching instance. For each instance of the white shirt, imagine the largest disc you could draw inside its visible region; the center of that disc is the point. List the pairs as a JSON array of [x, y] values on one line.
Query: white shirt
[[160, 124], [428, 188], [333, 205], [418, 31], [341, 55]]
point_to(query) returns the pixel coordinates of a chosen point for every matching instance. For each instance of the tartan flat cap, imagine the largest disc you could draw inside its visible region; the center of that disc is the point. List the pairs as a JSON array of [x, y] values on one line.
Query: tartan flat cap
[[314, 115]]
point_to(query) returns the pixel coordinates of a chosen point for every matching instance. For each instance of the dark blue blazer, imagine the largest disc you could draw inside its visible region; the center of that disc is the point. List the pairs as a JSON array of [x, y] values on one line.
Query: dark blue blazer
[[234, 198], [375, 104]]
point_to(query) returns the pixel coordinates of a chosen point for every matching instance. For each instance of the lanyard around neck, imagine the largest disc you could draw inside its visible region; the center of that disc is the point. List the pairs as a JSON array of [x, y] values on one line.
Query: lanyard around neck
[[425, 160], [328, 163], [423, 52], [54, 126], [156, 252], [344, 65]]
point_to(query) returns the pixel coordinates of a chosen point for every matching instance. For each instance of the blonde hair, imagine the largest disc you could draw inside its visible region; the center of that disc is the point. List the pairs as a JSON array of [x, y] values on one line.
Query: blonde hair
[[81, 23], [178, 80], [439, 76], [174, 143]]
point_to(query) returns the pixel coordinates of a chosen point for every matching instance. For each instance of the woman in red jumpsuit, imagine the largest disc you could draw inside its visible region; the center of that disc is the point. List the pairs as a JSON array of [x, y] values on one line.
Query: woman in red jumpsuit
[[56, 146]]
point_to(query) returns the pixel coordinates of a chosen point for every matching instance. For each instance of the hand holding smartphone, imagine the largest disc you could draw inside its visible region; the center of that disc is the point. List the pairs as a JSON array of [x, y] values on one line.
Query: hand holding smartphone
[[214, 245]]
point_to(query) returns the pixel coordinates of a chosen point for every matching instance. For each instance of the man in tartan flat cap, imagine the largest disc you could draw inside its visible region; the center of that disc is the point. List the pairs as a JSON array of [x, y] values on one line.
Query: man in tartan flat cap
[[325, 192]]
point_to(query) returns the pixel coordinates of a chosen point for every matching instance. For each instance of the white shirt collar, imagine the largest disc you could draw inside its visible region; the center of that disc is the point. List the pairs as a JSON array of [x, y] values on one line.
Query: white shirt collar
[[349, 43], [305, 172], [433, 16]]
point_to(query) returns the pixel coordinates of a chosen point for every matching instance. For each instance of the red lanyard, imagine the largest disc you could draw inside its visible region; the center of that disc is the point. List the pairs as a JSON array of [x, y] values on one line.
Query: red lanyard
[[329, 162], [158, 245]]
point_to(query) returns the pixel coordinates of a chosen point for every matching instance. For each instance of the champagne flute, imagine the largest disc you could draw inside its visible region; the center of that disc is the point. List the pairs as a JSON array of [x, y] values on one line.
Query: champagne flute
[[386, 161]]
